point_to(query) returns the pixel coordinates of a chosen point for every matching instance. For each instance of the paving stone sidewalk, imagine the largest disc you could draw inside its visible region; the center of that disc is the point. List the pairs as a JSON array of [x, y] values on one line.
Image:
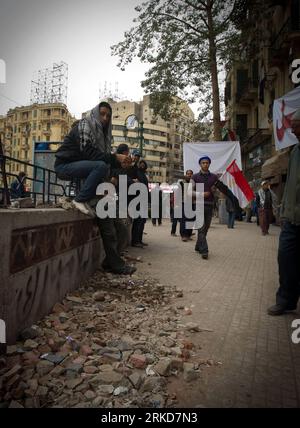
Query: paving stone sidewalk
[[228, 295]]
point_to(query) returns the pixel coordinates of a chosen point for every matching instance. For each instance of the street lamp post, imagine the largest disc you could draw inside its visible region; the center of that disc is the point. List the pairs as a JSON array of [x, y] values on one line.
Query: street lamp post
[[130, 123]]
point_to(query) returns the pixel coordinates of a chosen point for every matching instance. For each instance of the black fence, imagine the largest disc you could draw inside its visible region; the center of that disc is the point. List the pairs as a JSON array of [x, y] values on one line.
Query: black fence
[[41, 184]]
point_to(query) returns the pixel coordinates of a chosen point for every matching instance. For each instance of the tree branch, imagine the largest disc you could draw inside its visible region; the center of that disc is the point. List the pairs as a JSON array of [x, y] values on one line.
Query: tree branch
[[182, 22]]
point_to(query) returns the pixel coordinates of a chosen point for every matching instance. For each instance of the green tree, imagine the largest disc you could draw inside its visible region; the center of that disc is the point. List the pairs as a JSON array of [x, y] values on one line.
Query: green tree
[[187, 43]]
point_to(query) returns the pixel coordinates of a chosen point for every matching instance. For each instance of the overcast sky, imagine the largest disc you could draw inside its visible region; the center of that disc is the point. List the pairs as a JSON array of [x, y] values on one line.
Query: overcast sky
[[36, 33]]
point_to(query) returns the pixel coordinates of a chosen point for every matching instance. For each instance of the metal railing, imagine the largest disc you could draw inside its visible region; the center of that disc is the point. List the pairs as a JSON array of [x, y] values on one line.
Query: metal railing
[[44, 187]]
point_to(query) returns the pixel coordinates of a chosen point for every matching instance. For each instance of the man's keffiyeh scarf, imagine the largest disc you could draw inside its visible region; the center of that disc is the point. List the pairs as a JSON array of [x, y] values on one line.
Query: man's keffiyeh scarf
[[91, 132]]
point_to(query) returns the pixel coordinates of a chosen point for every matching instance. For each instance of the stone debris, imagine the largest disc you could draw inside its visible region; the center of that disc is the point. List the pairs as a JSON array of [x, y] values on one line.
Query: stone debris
[[115, 342]]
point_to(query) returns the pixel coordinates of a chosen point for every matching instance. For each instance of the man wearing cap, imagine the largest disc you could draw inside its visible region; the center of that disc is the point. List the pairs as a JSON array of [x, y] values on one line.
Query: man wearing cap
[[209, 180], [289, 241], [266, 202]]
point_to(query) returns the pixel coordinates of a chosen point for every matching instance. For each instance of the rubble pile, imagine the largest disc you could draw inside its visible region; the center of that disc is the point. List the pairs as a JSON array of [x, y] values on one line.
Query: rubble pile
[[113, 343]]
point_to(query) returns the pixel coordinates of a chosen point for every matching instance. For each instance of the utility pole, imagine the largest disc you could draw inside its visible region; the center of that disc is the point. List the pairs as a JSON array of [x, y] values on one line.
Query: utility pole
[[130, 123], [6, 197]]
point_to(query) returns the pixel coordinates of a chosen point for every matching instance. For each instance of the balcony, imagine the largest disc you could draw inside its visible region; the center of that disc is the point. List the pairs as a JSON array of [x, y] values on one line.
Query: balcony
[[249, 92], [252, 137], [281, 42], [25, 146]]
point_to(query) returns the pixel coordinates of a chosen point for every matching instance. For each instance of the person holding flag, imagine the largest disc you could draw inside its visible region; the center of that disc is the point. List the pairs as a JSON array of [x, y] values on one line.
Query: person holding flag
[[209, 180]]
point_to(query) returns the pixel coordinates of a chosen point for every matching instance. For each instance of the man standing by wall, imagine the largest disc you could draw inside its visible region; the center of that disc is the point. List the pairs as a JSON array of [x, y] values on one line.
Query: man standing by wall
[[266, 201], [289, 241]]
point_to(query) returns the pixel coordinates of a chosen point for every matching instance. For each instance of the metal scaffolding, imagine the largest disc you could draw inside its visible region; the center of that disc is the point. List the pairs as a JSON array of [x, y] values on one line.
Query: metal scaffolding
[[50, 85]]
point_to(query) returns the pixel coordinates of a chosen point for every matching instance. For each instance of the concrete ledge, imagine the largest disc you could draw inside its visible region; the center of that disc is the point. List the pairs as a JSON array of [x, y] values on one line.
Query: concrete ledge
[[44, 253]]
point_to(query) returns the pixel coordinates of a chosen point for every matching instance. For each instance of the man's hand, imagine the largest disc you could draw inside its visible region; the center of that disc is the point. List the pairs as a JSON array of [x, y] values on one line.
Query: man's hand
[[206, 195], [114, 181]]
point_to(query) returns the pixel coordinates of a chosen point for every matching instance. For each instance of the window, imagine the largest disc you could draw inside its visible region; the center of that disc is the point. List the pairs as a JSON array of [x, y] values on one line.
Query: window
[[34, 113], [227, 93], [241, 125], [242, 82], [118, 127], [119, 139]]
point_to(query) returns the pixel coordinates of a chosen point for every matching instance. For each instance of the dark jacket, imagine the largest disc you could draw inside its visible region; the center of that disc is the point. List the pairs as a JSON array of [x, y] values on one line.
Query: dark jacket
[[70, 151], [290, 209], [229, 206], [17, 189]]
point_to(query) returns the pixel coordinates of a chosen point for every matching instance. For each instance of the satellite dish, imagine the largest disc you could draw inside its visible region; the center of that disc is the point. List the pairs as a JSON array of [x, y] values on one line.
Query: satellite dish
[[131, 121]]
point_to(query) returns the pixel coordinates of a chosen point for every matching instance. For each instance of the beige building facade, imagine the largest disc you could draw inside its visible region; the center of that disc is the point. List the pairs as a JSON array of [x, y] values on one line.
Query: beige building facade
[[22, 127], [262, 75], [162, 140]]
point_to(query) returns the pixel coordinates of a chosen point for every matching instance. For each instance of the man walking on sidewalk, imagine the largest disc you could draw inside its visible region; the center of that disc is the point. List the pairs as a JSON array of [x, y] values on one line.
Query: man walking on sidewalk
[[289, 241], [209, 180]]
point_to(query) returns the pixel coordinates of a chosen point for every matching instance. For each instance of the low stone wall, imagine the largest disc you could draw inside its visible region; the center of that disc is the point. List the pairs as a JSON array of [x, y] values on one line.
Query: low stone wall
[[44, 254]]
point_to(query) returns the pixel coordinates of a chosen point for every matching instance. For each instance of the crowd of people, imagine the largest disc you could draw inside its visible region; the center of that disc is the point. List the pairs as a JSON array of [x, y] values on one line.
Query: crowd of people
[[86, 153]]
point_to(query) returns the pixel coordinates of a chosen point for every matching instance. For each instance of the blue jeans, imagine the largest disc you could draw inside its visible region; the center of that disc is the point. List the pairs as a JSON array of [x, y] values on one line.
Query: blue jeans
[[201, 244], [231, 218], [288, 263], [94, 173]]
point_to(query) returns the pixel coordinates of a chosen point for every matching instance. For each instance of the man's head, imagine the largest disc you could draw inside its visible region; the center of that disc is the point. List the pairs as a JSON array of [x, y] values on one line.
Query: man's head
[[22, 176], [136, 156], [295, 124], [105, 113], [188, 175], [204, 163], [123, 149], [143, 165], [265, 184]]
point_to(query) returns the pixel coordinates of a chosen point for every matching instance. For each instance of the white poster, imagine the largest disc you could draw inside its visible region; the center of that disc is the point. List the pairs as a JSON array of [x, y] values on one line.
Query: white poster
[[221, 153], [283, 110]]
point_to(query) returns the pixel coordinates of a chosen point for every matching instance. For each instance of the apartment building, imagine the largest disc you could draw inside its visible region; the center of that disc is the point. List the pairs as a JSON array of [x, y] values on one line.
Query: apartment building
[[162, 140], [22, 127], [262, 75]]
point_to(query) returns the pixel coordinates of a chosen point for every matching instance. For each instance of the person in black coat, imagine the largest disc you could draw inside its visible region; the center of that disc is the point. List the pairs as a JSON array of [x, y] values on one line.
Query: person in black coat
[[86, 154], [17, 188], [138, 224]]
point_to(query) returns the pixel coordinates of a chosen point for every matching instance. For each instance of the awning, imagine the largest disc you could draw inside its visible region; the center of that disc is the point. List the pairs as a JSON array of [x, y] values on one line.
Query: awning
[[276, 165]]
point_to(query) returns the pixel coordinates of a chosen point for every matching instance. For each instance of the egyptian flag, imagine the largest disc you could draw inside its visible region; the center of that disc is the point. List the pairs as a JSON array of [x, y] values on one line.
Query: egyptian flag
[[262, 84], [237, 183]]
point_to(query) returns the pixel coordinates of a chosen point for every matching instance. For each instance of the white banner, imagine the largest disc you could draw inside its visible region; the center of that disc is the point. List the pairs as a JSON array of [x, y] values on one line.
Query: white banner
[[283, 110], [221, 153]]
